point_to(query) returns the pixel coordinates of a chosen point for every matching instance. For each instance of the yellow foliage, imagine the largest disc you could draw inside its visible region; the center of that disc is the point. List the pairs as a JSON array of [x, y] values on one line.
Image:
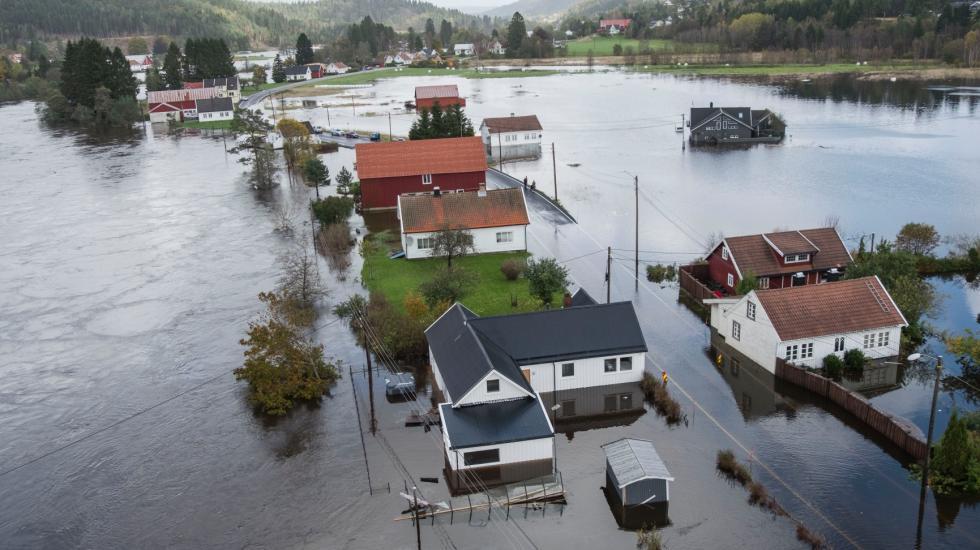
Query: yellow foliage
[[292, 129]]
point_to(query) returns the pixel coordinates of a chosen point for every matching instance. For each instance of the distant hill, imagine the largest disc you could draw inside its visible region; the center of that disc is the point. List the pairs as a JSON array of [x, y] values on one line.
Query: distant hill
[[243, 23], [536, 9]]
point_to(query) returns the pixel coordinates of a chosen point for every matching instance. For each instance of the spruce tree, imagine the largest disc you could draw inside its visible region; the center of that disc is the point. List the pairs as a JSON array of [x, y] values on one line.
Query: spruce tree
[[173, 68], [278, 70], [120, 79], [445, 32], [516, 33], [439, 121], [304, 50]]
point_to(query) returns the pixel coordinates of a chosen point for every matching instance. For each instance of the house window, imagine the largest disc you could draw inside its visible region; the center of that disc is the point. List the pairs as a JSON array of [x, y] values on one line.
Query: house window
[[806, 351], [493, 385], [731, 280], [724, 253], [425, 243], [839, 343], [735, 366], [488, 456], [505, 236], [869, 341], [763, 282], [567, 369], [610, 365], [736, 330], [625, 363], [568, 408], [750, 310], [792, 352], [797, 258], [426, 179], [882, 339]]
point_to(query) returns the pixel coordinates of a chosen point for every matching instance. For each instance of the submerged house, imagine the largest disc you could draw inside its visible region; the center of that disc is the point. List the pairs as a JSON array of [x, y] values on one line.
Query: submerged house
[[489, 373], [802, 325], [444, 95], [720, 125], [635, 474], [512, 137], [164, 105]]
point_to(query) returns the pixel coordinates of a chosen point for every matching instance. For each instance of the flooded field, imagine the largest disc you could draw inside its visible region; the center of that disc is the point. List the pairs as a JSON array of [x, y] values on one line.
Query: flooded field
[[131, 266]]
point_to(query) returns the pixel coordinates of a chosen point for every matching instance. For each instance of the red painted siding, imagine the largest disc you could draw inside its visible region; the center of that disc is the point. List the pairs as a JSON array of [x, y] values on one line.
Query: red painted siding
[[443, 102], [719, 269], [380, 193]]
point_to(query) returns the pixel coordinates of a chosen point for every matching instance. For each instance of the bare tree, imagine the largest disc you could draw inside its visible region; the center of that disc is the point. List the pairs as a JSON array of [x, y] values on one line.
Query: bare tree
[[451, 243], [832, 220], [300, 284], [713, 240]]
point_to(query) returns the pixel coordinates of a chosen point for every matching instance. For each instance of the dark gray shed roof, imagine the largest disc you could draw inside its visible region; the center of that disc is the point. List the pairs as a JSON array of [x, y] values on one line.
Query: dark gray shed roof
[[495, 423], [634, 459], [215, 105]]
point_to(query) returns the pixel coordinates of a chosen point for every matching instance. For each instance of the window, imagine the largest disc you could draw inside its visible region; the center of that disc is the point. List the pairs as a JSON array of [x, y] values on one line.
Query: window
[[425, 243], [724, 253], [625, 363], [882, 339], [792, 352], [806, 351], [763, 282], [625, 401], [488, 456], [505, 236], [736, 330], [567, 369], [839, 343], [568, 408], [493, 385], [869, 341], [731, 280], [426, 179], [750, 310], [797, 258], [610, 365], [735, 366]]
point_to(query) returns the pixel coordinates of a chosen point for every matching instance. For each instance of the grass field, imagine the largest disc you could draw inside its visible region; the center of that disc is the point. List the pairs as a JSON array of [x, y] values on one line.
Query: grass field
[[265, 86], [490, 294], [214, 125], [603, 45]]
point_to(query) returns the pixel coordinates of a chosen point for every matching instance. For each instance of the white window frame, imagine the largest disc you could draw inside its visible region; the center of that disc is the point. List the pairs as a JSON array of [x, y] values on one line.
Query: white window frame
[[628, 360], [792, 352], [731, 280], [869, 341], [724, 252], [797, 258], [763, 283], [424, 243], [750, 310], [497, 380], [736, 330], [505, 237], [605, 365], [806, 350], [882, 339], [426, 179]]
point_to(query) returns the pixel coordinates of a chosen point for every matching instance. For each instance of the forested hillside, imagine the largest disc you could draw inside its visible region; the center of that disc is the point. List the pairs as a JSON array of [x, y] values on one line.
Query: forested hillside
[[243, 24]]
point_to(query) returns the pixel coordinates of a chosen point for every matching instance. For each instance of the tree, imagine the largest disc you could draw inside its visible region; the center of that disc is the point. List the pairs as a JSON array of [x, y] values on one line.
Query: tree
[[137, 46], [278, 70], [421, 127], [259, 76], [447, 286], [919, 239], [296, 141], [330, 210], [300, 285], [281, 366], [173, 73], [430, 28], [546, 278], [516, 33], [617, 49], [254, 126], [315, 172], [154, 81], [833, 367], [451, 243], [344, 179], [160, 45], [445, 32], [956, 465], [747, 284], [304, 50]]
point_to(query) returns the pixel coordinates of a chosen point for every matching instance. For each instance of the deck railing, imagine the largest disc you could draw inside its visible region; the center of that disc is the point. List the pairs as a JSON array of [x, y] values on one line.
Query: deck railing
[[690, 277]]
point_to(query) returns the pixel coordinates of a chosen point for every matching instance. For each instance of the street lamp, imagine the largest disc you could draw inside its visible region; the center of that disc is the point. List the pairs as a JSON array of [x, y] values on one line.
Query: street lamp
[[932, 422]]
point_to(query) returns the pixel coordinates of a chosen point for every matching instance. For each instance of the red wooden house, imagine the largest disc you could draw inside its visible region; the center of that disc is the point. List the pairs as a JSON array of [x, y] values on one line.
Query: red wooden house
[[783, 259], [387, 170], [444, 95]]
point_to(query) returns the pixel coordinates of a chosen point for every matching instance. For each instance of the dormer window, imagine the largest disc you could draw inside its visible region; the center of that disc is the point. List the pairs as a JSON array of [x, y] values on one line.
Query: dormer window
[[724, 253], [796, 258]]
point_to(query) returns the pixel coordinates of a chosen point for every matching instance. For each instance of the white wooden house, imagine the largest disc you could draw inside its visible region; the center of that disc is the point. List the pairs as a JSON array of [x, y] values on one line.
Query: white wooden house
[[512, 137], [215, 109], [492, 413], [298, 72], [497, 219], [804, 324], [337, 67], [463, 50]]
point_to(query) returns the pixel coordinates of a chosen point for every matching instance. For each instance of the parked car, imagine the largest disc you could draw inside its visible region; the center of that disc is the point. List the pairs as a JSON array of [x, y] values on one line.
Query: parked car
[[376, 137], [336, 132], [352, 135], [400, 384]]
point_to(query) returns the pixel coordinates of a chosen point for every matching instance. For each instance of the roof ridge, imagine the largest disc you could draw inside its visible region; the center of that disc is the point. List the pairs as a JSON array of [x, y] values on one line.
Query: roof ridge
[[544, 311]]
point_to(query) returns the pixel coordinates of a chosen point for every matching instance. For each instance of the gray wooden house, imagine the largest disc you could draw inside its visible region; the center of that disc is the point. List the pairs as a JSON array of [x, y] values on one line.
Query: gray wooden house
[[635, 473], [720, 125]]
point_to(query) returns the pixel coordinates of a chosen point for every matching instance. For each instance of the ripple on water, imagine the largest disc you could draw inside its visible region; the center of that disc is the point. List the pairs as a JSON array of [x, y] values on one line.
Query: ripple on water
[[133, 319]]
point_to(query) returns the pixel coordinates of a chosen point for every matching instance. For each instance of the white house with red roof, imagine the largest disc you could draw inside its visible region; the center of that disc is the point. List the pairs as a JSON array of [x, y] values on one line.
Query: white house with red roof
[[804, 324], [614, 26]]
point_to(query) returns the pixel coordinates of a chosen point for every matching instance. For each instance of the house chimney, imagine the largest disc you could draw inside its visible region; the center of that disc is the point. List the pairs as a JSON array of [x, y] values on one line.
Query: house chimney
[[482, 190], [436, 192]]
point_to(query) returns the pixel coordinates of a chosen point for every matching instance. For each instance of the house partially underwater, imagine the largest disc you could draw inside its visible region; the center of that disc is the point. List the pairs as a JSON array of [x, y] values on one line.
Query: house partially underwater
[[730, 125]]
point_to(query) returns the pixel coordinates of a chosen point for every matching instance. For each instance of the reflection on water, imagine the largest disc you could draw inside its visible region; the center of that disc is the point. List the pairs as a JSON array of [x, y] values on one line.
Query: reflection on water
[[903, 94], [594, 408], [643, 516]]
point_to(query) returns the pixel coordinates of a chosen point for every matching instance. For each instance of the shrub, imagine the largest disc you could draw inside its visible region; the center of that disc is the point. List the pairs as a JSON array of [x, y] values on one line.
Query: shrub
[[617, 49], [731, 468], [447, 285], [665, 405], [336, 243], [758, 494], [545, 278], [833, 366], [648, 538], [657, 273], [330, 210], [512, 269], [806, 536], [854, 361]]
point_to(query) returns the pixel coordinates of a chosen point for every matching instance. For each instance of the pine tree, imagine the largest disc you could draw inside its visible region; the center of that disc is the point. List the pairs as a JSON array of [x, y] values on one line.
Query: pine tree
[[120, 81], [173, 68], [422, 127], [154, 82], [278, 70], [304, 50], [439, 121], [445, 32], [516, 33]]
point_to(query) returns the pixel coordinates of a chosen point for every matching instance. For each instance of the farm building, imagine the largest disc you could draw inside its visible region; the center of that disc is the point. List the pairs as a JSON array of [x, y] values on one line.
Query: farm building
[[635, 473], [223, 87], [445, 95], [165, 105], [512, 137], [387, 170], [497, 219]]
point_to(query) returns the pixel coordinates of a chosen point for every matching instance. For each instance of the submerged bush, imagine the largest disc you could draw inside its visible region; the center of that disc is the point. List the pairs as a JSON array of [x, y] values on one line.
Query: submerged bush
[[648, 538], [728, 465], [806, 536], [665, 405], [512, 269], [660, 273], [854, 361]]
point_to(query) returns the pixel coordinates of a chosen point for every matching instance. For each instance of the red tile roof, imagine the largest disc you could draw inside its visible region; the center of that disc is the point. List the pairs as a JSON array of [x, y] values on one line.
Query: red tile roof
[[830, 308], [512, 124], [603, 23], [467, 210], [754, 255], [415, 158], [789, 242], [432, 92]]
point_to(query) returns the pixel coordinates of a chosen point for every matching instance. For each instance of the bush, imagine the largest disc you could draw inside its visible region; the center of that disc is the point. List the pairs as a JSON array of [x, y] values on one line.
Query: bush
[[512, 269], [336, 243], [648, 538], [447, 285], [833, 367], [854, 361], [665, 405], [731, 468], [660, 273], [617, 49], [758, 494], [806, 536], [545, 278], [331, 210]]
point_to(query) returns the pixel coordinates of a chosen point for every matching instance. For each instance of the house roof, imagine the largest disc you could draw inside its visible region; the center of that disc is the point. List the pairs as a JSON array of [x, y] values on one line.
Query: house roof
[[433, 92], [215, 105], [495, 423], [171, 96], [702, 115], [634, 459], [467, 347], [582, 298], [297, 69], [414, 158], [230, 82], [789, 242], [839, 307], [754, 255], [512, 124], [466, 46], [616, 22], [467, 210]]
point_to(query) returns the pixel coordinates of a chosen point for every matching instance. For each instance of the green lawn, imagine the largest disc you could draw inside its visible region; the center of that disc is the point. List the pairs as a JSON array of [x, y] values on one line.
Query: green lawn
[[490, 295], [213, 125], [246, 90], [603, 45]]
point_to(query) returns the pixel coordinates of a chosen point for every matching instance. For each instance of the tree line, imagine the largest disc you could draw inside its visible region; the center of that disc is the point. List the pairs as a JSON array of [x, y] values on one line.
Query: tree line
[[437, 123], [97, 86], [201, 58]]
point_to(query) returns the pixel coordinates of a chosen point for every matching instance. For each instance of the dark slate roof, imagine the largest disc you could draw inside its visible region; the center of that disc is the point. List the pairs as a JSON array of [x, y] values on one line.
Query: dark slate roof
[[297, 69], [495, 423], [215, 105], [582, 298], [700, 115], [230, 82]]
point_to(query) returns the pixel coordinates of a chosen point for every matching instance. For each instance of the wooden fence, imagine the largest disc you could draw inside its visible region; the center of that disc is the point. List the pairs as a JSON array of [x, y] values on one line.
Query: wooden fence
[[895, 429], [690, 277]]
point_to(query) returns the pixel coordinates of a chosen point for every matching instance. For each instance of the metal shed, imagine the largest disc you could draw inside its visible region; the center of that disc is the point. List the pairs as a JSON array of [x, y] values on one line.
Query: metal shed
[[635, 473]]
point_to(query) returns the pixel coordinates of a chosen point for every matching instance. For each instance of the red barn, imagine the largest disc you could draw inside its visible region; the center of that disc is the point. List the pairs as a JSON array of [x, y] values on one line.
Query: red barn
[[444, 95], [387, 170], [179, 104], [783, 259]]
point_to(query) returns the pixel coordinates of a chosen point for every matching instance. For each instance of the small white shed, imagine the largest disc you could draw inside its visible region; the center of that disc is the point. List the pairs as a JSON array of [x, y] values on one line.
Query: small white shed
[[635, 473]]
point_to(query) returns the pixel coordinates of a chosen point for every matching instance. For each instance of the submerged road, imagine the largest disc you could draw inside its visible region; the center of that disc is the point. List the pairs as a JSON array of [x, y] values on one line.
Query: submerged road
[[260, 96]]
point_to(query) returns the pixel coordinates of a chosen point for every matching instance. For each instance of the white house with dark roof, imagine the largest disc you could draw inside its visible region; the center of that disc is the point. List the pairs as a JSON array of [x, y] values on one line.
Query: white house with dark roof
[[215, 109], [804, 324], [299, 72], [490, 372]]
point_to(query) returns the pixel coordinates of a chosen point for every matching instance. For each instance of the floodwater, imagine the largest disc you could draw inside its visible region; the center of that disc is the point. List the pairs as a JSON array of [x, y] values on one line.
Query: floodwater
[[131, 266]]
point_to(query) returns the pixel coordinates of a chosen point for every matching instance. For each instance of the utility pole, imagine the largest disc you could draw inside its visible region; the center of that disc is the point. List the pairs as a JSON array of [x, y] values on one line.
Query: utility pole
[[282, 105], [500, 153], [353, 107], [367, 355], [636, 267], [608, 273], [554, 169], [418, 526], [390, 137], [872, 244], [925, 468], [328, 116], [683, 141]]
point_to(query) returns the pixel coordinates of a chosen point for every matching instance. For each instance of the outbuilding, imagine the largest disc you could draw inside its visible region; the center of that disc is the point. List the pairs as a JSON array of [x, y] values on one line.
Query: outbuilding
[[511, 137], [445, 96], [635, 474]]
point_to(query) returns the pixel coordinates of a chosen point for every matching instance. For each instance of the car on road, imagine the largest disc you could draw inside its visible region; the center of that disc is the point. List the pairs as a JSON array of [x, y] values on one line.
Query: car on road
[[336, 132], [352, 135], [400, 384], [376, 137]]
